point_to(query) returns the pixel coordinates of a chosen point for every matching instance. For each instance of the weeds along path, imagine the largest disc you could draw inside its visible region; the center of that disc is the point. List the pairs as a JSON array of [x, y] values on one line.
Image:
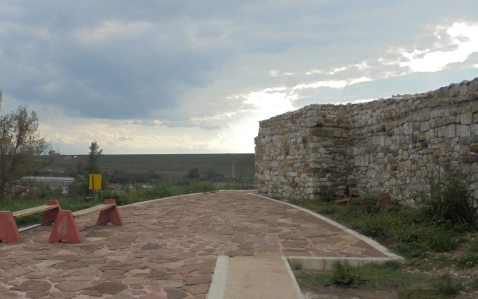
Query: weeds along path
[[168, 247]]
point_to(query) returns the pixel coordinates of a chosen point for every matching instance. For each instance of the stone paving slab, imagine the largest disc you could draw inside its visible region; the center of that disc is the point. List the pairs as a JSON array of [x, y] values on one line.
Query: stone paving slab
[[167, 248]]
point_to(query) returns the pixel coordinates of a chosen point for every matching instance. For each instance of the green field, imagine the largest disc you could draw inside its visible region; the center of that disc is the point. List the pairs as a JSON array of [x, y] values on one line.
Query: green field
[[166, 165]]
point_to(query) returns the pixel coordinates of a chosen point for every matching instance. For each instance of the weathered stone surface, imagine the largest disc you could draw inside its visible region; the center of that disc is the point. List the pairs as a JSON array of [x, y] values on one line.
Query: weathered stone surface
[[197, 289], [112, 274], [9, 295], [36, 294], [133, 280], [109, 288], [72, 286], [123, 295], [33, 285], [15, 272], [49, 263], [64, 295], [190, 280], [151, 247], [152, 296], [175, 293], [70, 265], [171, 283]]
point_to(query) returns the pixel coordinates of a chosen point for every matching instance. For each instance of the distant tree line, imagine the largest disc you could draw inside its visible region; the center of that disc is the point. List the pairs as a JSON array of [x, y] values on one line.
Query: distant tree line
[[210, 174]]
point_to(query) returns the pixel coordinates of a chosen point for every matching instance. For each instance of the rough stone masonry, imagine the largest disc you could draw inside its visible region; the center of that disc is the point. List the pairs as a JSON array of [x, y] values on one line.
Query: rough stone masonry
[[390, 145]]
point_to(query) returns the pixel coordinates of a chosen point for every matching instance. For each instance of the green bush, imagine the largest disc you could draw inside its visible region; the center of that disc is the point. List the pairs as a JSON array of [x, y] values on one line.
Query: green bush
[[328, 209], [473, 246], [474, 284], [446, 286], [385, 223], [422, 241], [343, 276], [446, 202], [374, 227], [467, 261], [327, 193], [158, 191], [119, 198], [367, 203]]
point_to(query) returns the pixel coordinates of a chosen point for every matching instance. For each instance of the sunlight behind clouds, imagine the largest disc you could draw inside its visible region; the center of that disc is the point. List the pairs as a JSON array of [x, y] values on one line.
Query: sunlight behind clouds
[[271, 103], [464, 36]]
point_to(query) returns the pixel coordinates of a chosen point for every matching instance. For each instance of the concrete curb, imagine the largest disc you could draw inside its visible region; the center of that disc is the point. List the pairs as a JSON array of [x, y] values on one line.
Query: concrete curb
[[157, 199], [325, 263], [218, 285], [292, 277]]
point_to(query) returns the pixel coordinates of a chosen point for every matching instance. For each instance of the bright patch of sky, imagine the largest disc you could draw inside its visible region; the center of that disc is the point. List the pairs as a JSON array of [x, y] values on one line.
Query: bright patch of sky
[[197, 77], [463, 37]]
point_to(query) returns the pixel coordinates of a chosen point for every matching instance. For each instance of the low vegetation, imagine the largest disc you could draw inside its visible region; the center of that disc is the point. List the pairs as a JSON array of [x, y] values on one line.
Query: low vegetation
[[170, 169], [438, 240]]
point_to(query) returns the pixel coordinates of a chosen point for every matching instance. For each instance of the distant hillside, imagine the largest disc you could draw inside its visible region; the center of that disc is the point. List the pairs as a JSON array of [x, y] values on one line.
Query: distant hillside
[[166, 165]]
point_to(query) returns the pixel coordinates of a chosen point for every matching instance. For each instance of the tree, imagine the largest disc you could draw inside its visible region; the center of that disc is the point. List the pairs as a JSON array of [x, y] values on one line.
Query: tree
[[92, 166], [22, 149], [193, 173]]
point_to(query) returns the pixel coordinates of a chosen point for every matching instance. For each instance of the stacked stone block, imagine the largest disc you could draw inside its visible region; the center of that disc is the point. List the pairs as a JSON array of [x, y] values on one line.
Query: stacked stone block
[[300, 151], [391, 145]]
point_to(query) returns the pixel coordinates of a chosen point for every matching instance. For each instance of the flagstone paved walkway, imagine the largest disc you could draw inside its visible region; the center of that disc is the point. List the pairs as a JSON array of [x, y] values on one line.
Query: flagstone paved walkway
[[166, 248]]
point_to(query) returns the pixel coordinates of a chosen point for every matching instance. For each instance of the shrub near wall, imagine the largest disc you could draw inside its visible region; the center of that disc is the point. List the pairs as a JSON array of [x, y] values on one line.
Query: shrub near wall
[[391, 145]]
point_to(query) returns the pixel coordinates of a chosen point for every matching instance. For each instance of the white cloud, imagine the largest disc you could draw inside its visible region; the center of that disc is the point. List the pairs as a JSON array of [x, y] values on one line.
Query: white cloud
[[464, 37], [359, 80], [275, 101], [330, 84]]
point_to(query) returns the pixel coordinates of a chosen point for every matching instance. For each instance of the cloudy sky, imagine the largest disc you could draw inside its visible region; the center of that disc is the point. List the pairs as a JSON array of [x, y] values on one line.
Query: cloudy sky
[[196, 76]]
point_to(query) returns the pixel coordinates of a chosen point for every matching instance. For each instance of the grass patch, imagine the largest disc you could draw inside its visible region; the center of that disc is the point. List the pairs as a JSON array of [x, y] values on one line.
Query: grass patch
[[446, 286], [437, 227], [387, 274], [421, 294], [467, 261], [369, 277], [327, 193], [474, 284], [440, 226], [296, 265], [445, 202], [473, 246], [344, 276]]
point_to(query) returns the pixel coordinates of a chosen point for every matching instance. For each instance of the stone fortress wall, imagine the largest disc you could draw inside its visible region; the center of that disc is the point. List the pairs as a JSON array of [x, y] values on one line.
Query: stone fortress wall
[[390, 145]]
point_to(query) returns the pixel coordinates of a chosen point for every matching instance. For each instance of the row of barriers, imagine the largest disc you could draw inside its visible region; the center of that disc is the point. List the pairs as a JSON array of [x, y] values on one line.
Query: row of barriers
[[64, 228]]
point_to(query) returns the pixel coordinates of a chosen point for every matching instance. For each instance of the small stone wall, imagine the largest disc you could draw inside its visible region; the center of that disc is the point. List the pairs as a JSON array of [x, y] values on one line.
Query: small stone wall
[[391, 145]]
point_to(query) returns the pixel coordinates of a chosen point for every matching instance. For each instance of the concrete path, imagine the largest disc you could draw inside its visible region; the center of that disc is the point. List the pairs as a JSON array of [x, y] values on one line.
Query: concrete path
[[168, 248], [254, 277]]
